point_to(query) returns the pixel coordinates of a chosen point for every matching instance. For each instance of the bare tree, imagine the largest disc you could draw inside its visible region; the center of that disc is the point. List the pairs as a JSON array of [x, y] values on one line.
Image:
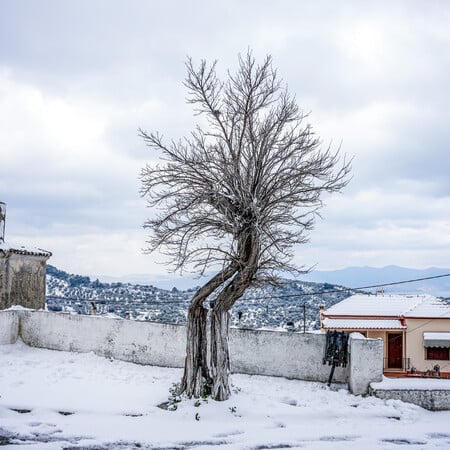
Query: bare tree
[[235, 197]]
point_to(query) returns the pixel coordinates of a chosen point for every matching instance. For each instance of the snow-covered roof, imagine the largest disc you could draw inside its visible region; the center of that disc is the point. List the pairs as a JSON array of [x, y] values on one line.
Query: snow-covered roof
[[7, 248], [431, 307], [392, 306], [362, 324]]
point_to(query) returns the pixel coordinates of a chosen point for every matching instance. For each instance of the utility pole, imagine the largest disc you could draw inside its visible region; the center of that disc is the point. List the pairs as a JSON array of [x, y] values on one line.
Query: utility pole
[[304, 318]]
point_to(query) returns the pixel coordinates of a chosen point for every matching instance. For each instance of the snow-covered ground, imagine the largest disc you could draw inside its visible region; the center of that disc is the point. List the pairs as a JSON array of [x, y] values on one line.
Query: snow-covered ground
[[57, 400]]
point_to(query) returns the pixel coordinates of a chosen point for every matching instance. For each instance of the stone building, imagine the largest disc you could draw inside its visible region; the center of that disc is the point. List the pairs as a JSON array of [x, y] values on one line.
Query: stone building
[[22, 272]]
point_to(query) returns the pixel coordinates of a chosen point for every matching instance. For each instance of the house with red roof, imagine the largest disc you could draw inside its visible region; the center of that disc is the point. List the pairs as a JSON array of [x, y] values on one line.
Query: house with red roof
[[415, 329]]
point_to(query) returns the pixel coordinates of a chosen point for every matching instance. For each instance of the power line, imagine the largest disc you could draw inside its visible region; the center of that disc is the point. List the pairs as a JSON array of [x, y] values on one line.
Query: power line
[[356, 288]]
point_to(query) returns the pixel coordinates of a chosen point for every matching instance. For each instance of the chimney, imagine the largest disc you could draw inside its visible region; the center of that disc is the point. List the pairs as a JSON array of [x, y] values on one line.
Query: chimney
[[321, 309], [2, 221]]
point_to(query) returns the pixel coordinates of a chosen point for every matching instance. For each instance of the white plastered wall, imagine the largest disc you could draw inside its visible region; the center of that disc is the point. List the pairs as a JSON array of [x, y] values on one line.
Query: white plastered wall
[[414, 342]]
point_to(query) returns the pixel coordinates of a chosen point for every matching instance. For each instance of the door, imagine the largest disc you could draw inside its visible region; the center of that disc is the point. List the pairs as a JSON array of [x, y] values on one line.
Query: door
[[395, 350]]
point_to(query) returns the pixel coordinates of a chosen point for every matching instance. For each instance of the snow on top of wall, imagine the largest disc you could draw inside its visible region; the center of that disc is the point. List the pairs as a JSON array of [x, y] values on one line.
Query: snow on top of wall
[[18, 308], [421, 384]]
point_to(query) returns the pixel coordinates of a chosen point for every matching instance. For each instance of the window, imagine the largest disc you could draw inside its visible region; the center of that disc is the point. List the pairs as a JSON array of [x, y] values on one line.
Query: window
[[437, 353]]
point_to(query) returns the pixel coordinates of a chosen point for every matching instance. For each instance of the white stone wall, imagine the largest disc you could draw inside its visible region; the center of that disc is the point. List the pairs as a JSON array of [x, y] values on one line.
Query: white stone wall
[[9, 327], [255, 352], [434, 400], [291, 355], [139, 342]]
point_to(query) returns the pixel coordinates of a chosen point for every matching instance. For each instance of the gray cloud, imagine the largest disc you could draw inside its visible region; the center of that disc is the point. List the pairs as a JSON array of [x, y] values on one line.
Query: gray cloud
[[78, 78]]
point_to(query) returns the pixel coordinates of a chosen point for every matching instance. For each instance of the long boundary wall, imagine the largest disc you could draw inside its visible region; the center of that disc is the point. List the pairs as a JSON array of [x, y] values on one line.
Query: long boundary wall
[[138, 342], [253, 352]]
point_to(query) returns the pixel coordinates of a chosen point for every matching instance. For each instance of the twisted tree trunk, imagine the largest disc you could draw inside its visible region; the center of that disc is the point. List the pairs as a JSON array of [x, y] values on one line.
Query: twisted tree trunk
[[220, 355], [196, 366], [220, 317]]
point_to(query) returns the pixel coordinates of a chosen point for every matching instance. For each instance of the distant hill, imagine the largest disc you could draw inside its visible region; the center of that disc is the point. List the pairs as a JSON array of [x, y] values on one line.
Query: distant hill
[[365, 276], [263, 307], [351, 277]]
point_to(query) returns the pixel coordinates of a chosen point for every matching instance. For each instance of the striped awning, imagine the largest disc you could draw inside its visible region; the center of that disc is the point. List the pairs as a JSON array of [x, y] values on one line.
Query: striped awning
[[436, 339]]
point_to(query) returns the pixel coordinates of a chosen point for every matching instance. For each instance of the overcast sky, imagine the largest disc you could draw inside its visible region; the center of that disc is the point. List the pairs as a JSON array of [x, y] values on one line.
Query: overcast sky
[[77, 79]]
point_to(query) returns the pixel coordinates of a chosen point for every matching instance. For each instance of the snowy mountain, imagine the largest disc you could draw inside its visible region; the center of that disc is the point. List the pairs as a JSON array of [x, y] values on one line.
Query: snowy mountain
[[365, 276]]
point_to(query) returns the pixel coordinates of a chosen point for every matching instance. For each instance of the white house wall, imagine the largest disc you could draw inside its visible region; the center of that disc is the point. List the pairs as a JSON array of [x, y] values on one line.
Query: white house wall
[[414, 342]]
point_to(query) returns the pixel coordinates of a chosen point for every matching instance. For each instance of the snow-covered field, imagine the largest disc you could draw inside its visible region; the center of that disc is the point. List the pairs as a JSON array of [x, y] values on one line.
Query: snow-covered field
[[57, 400]]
